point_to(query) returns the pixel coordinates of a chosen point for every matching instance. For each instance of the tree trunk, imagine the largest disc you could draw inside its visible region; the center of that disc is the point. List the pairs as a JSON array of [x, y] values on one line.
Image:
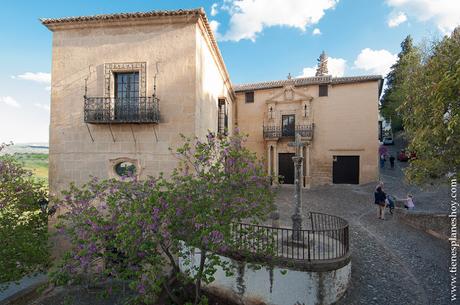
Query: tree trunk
[[199, 276]]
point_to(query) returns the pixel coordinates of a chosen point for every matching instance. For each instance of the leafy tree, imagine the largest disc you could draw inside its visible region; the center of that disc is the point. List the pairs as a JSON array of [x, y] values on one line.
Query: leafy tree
[[23, 225], [130, 230], [431, 112], [393, 97]]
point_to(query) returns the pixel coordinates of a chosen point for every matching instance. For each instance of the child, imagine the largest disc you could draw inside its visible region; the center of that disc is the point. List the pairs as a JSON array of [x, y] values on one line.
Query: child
[[391, 203], [409, 202]]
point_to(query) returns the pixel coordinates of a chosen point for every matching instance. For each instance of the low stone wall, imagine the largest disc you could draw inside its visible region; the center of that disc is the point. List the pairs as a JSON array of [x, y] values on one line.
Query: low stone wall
[[277, 285], [435, 224]]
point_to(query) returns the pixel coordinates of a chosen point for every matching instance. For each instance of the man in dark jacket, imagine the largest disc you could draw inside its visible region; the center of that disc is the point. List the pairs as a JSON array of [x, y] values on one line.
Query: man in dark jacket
[[380, 197]]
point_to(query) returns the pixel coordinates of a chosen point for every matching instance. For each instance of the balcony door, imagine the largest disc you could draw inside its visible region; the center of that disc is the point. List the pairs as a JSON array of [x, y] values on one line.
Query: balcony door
[[288, 125], [126, 96]]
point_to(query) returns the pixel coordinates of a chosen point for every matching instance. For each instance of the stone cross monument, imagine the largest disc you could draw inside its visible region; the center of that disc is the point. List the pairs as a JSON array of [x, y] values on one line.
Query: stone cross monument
[[297, 217]]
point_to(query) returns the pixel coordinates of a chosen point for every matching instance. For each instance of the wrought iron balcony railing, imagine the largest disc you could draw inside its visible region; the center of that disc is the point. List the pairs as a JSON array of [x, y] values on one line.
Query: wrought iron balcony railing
[[102, 110], [276, 131]]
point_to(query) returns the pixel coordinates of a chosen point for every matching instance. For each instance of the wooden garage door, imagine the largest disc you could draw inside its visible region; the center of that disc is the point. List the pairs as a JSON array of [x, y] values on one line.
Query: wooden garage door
[[286, 167], [345, 169]]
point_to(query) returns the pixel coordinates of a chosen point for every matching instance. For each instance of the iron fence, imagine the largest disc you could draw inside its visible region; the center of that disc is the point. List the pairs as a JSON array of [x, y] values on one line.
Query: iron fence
[[325, 238], [276, 131], [121, 110]]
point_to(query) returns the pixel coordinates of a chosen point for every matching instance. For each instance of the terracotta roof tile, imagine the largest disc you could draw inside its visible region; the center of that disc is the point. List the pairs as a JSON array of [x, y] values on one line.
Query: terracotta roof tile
[[117, 16], [303, 81]]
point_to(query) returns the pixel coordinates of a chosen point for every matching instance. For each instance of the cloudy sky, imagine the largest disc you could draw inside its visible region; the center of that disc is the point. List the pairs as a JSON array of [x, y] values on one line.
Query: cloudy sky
[[259, 39]]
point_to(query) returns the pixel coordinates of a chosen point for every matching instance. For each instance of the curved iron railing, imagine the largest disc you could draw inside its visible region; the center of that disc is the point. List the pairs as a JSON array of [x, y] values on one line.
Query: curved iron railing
[[121, 110], [325, 239]]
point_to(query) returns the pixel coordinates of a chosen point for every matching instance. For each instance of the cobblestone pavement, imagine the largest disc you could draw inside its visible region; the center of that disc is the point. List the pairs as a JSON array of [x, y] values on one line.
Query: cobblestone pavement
[[392, 263]]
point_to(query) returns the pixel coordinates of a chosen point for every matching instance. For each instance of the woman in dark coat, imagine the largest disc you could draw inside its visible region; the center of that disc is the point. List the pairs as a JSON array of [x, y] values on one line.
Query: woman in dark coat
[[380, 197]]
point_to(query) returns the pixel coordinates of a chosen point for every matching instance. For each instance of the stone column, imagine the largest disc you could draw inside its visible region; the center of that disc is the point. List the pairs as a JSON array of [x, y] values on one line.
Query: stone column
[[275, 163], [269, 159], [307, 165], [297, 218]]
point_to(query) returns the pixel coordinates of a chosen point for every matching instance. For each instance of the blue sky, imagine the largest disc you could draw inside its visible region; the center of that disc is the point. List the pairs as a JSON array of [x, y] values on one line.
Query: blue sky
[[259, 39]]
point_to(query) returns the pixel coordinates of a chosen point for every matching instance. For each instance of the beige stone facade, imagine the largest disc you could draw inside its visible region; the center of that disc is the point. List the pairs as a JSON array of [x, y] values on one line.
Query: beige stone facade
[[173, 51], [179, 70], [341, 123]]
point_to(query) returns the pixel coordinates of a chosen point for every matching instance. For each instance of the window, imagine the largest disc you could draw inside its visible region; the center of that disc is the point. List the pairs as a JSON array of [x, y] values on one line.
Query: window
[[125, 169], [222, 117], [249, 97], [288, 125], [126, 95], [323, 90]]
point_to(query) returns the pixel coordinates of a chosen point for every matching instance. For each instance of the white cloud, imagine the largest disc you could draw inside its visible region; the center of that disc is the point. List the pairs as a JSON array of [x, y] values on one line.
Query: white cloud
[[397, 19], [214, 25], [250, 17], [444, 13], [309, 71], [375, 61], [335, 66], [42, 106], [316, 31], [39, 77], [214, 9], [10, 101]]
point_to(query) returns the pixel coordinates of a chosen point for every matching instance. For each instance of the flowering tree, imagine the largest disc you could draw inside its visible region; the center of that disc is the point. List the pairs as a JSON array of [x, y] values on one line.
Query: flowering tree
[[130, 230], [23, 225], [218, 182]]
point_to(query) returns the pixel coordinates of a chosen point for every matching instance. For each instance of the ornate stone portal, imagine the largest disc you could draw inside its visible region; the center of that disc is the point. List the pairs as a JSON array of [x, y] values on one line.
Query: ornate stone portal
[[293, 102]]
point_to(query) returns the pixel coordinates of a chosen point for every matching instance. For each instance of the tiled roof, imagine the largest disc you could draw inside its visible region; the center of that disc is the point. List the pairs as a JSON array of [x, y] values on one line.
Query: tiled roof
[[303, 81], [199, 12], [136, 15]]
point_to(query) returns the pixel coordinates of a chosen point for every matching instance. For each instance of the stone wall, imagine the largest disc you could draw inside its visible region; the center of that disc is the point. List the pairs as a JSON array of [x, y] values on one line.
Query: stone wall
[[189, 79], [438, 225], [277, 285]]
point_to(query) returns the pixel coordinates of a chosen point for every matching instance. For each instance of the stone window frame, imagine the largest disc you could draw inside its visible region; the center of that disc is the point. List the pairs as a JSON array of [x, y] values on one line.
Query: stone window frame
[[323, 90], [111, 68], [113, 162], [249, 97]]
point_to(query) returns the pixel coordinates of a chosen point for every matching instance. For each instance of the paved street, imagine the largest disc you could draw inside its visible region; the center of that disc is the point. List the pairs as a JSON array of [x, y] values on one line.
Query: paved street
[[392, 263]]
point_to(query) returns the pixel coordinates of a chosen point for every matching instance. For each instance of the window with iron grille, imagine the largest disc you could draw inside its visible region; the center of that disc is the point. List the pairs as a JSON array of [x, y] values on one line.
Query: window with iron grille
[[126, 95], [288, 125], [222, 117], [249, 97], [323, 90]]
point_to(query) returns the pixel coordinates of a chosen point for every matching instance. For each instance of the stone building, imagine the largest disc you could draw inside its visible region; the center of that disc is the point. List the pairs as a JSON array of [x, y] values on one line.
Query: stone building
[[337, 119], [125, 86]]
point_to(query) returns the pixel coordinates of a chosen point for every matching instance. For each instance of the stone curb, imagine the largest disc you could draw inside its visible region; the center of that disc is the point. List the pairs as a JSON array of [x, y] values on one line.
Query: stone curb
[[24, 293]]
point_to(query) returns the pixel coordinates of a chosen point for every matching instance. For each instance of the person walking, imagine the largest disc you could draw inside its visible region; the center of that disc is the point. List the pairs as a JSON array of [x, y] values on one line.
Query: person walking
[[380, 198], [392, 161], [382, 161]]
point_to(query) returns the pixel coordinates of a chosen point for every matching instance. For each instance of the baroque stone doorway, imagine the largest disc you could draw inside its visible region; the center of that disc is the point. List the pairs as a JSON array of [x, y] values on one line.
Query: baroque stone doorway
[[286, 167]]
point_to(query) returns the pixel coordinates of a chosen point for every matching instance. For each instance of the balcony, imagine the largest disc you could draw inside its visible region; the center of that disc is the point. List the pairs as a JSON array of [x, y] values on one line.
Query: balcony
[[111, 110], [273, 132]]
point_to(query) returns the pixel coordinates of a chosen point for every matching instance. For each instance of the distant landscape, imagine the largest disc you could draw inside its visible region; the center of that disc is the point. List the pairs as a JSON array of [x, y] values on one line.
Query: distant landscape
[[34, 157]]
